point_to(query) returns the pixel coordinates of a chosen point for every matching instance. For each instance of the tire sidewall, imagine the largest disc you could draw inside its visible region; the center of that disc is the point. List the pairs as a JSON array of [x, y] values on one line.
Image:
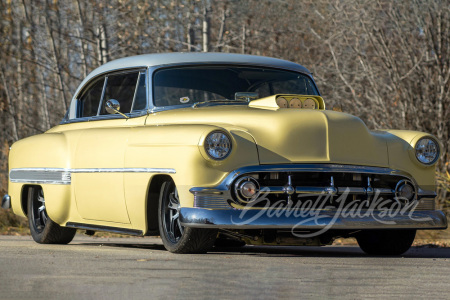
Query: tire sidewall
[[37, 236], [171, 246], [193, 240], [52, 232]]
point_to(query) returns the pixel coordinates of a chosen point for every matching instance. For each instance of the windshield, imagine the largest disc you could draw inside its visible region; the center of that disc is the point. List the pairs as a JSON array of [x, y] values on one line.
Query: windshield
[[189, 85]]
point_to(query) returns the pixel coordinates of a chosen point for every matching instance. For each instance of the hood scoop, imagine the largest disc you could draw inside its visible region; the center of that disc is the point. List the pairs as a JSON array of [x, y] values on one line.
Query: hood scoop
[[276, 102]]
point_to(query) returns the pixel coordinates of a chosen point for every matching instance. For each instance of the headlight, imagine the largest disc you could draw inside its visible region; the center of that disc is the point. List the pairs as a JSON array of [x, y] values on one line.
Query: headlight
[[427, 151], [217, 145]]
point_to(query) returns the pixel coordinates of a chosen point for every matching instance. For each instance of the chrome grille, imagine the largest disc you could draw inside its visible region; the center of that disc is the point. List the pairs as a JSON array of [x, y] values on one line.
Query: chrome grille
[[426, 204], [301, 186], [210, 201]]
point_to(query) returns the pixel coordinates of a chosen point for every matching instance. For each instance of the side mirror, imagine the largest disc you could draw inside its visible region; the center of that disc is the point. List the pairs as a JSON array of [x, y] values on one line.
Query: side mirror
[[113, 107]]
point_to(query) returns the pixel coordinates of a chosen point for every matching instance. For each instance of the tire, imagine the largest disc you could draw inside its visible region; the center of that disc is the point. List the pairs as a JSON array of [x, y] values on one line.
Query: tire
[[386, 242], [42, 228], [175, 237]]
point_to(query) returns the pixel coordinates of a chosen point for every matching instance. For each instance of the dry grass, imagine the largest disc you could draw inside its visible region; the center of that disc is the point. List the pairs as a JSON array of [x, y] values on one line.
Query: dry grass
[[10, 224], [424, 238]]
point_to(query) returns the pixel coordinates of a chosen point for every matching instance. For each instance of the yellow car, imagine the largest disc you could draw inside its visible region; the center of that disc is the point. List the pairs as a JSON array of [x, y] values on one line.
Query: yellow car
[[205, 148]]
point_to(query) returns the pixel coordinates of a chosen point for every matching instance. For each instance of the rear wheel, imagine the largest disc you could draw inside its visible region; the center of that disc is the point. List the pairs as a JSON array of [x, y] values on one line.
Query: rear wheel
[[177, 238], [42, 228], [386, 242]]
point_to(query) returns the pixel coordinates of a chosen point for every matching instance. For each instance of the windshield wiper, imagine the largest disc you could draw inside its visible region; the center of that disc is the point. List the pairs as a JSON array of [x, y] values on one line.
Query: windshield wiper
[[212, 102]]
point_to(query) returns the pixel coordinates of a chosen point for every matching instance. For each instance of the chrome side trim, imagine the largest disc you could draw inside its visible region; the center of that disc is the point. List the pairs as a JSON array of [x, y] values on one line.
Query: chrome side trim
[[253, 219], [40, 175], [124, 170], [64, 176]]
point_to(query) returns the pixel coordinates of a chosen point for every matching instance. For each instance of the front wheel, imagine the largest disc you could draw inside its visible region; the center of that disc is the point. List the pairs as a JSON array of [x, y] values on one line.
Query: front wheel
[[177, 238], [42, 228], [386, 242]]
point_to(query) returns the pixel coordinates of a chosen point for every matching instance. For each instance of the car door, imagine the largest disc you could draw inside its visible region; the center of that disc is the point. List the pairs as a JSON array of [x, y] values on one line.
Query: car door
[[98, 163]]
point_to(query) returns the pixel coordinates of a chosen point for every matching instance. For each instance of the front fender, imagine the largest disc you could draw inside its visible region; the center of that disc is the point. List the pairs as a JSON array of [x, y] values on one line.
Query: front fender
[[180, 147], [401, 148]]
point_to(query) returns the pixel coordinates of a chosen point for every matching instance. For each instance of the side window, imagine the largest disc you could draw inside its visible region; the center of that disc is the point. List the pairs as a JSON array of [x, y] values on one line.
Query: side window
[[90, 99], [120, 87], [140, 98]]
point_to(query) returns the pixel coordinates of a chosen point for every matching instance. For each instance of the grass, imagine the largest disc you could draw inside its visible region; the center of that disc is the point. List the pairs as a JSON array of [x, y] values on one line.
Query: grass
[[10, 224]]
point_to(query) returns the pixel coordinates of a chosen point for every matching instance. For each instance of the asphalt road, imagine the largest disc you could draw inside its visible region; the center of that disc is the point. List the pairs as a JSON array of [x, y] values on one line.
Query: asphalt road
[[140, 268]]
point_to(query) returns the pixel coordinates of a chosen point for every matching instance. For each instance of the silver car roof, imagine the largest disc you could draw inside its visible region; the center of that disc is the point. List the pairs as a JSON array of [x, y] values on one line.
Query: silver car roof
[[160, 59]]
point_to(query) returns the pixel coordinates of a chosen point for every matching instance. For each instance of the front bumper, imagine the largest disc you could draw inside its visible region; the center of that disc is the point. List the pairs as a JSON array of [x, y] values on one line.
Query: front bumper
[[312, 220], [6, 202]]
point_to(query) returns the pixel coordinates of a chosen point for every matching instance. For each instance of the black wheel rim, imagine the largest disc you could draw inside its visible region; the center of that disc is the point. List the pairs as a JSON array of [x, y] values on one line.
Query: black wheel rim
[[39, 213], [171, 212]]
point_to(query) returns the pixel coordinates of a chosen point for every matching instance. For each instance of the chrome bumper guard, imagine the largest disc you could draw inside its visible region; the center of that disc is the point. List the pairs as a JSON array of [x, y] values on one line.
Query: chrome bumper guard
[[6, 202], [266, 219]]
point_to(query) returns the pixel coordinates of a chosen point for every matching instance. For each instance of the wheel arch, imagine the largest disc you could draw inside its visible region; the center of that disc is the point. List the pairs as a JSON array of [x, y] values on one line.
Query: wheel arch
[[24, 197], [153, 194]]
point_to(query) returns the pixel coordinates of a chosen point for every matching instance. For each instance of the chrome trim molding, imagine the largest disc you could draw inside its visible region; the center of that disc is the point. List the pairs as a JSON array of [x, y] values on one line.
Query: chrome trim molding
[[426, 194], [63, 176], [6, 202], [124, 170], [210, 201], [40, 175], [232, 219]]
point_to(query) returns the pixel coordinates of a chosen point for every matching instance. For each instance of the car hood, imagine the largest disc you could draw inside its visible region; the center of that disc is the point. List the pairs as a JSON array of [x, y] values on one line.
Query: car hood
[[291, 135]]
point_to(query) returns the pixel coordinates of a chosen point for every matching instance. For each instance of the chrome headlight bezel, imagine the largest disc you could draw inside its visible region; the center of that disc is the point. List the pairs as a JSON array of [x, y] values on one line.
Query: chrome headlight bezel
[[224, 143], [419, 152]]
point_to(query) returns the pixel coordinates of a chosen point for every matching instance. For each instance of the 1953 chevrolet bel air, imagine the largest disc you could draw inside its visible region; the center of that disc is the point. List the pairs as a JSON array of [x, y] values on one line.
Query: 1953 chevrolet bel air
[[204, 148]]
